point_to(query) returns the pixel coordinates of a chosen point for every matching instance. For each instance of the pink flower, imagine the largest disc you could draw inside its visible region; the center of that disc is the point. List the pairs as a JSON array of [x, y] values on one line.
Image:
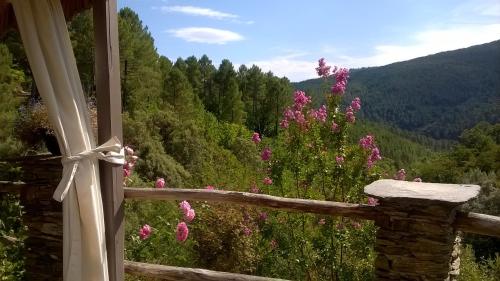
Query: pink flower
[[356, 104], [372, 201], [182, 232], [263, 216], [184, 206], [417, 180], [266, 154], [256, 138], [247, 231], [320, 114], [145, 232], [284, 124], [126, 173], [322, 69], [339, 159], [300, 100], [160, 183], [400, 175], [189, 216], [134, 158], [367, 142], [349, 115], [321, 221], [273, 244], [335, 127], [209, 187], [128, 150], [129, 165], [375, 155], [341, 76], [254, 189], [267, 181]]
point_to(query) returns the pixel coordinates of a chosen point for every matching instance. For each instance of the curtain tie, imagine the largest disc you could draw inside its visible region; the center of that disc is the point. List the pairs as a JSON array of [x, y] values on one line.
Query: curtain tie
[[111, 151]]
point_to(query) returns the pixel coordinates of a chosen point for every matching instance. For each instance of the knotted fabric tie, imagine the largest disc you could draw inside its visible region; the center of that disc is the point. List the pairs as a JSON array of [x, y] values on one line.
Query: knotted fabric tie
[[111, 151]]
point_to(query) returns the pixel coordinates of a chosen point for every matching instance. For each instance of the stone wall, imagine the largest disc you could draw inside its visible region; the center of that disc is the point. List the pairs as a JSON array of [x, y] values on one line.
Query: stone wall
[[43, 218]]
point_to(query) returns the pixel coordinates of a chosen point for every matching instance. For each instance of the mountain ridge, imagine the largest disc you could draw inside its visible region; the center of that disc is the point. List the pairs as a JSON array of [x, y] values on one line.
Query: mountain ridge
[[438, 95]]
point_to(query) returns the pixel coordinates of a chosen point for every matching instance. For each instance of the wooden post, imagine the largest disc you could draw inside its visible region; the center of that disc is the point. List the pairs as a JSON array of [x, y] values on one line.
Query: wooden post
[[107, 75], [416, 239]]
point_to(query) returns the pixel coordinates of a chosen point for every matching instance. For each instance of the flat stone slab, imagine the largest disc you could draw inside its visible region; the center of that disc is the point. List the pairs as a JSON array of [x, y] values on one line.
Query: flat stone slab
[[406, 190]]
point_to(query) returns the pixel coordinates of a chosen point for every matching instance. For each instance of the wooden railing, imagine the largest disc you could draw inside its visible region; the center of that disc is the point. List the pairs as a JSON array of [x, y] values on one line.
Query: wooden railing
[[466, 222], [382, 215]]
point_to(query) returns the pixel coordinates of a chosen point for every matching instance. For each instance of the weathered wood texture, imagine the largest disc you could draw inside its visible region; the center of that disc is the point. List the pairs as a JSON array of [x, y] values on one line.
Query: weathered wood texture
[[172, 273], [243, 198], [11, 187], [467, 222], [478, 223], [109, 110], [43, 218]]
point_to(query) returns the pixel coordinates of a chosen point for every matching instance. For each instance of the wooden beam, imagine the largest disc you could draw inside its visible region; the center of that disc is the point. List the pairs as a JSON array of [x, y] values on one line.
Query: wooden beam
[[260, 200], [172, 273], [478, 223], [107, 71], [11, 187]]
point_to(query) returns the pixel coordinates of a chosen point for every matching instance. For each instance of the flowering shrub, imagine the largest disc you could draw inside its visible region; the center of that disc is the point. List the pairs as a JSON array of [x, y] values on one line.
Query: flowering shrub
[[312, 158]]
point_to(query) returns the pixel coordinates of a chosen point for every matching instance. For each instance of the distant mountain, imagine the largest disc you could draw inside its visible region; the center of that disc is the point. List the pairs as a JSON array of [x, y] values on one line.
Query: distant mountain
[[438, 95]]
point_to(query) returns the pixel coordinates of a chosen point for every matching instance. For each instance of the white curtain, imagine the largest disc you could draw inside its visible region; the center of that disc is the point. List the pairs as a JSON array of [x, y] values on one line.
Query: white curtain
[[46, 40]]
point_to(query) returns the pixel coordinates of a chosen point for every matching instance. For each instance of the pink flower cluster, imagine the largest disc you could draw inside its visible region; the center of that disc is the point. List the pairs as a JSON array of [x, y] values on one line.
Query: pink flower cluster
[[189, 214], [335, 127], [187, 211], [182, 232], [267, 181], [339, 160], [341, 76], [130, 161], [349, 115], [256, 138], [372, 201], [145, 231], [295, 113], [266, 154], [319, 114], [322, 69], [400, 175], [368, 143], [160, 183], [356, 104]]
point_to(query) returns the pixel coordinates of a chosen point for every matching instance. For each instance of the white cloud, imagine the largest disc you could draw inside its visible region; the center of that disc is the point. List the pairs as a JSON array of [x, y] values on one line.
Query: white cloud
[[291, 66], [198, 11], [206, 35], [425, 43], [298, 67]]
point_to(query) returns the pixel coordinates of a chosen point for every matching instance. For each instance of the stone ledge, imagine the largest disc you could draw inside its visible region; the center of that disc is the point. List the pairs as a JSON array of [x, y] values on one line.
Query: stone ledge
[[421, 193]]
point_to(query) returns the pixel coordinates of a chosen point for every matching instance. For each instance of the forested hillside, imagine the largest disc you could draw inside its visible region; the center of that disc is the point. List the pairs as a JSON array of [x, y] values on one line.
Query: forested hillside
[[190, 123], [438, 95]]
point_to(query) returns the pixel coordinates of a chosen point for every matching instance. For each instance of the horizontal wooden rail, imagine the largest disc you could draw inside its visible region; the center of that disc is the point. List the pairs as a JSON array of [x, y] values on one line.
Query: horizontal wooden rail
[[261, 200], [478, 223], [173, 273], [467, 222], [10, 187]]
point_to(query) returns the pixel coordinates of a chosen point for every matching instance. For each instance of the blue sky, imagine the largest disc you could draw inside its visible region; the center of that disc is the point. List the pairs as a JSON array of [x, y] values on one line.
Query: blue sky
[[288, 37]]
